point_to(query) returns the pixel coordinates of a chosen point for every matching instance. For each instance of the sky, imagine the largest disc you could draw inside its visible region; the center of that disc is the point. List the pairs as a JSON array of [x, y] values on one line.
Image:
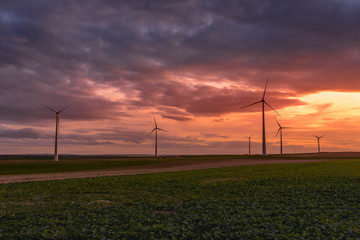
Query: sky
[[192, 64]]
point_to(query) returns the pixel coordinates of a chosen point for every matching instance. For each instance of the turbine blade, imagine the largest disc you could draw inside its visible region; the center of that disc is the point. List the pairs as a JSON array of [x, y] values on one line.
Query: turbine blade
[[162, 129], [278, 123], [322, 136], [66, 107], [151, 132], [252, 134], [155, 121], [251, 104], [278, 132], [48, 108], [272, 108], [267, 80], [315, 136]]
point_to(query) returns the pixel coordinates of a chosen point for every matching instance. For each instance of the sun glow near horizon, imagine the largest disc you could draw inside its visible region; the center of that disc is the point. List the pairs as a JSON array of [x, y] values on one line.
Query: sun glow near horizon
[[329, 104], [334, 114]]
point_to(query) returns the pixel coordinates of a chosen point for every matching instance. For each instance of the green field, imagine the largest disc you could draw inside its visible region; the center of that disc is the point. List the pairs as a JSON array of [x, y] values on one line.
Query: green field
[[10, 165], [280, 201], [31, 165], [26, 165]]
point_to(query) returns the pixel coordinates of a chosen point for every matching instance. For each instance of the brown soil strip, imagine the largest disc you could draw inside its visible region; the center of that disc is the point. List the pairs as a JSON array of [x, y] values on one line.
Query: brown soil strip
[[155, 168]]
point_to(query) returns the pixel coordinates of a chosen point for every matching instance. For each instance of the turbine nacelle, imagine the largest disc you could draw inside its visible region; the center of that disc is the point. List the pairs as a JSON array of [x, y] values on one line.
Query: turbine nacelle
[[318, 137], [249, 137], [57, 112], [263, 100], [156, 129], [318, 141], [280, 127]]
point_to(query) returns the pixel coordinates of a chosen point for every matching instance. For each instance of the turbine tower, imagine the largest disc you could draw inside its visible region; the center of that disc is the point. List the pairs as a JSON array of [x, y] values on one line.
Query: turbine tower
[[318, 141], [263, 102], [156, 133], [56, 156], [280, 131], [249, 137]]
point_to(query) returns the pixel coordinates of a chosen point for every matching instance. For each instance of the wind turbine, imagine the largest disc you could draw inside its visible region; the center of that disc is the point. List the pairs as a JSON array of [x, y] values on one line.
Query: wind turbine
[[280, 131], [249, 137], [156, 130], [263, 102], [318, 140], [56, 156]]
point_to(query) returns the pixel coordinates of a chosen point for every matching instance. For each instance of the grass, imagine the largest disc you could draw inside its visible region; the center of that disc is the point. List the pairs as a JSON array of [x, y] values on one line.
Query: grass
[[11, 165], [40, 164], [280, 201], [30, 167], [22, 165], [27, 164]]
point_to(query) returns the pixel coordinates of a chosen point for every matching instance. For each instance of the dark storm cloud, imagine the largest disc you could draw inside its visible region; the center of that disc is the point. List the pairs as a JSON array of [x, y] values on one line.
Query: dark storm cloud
[[58, 52], [81, 136], [30, 133]]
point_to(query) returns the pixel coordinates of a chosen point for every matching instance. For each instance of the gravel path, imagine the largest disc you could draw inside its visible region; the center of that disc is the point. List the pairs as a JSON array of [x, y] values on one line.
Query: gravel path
[[146, 169]]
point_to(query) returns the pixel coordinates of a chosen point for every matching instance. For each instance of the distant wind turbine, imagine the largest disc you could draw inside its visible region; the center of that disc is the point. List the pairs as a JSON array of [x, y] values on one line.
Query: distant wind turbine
[[263, 102], [56, 157], [249, 137], [280, 131], [156, 129], [318, 141]]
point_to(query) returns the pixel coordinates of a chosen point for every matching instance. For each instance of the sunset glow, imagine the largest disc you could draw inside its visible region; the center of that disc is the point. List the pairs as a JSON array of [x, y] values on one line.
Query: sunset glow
[[191, 65]]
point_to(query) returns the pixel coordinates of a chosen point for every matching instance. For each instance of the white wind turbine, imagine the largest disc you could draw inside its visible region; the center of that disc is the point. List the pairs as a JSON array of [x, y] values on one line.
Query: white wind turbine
[[318, 141], [156, 129], [280, 131], [263, 102], [56, 156]]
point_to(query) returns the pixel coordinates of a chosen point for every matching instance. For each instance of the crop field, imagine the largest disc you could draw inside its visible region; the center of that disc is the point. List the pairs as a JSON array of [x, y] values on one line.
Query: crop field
[[30, 165], [10, 165], [279, 201]]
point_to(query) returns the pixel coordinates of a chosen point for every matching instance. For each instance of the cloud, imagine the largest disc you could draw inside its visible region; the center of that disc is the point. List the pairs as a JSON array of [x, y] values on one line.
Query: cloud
[[180, 59], [174, 113], [177, 118], [22, 133], [233, 145], [323, 107], [220, 119], [213, 135], [134, 46]]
